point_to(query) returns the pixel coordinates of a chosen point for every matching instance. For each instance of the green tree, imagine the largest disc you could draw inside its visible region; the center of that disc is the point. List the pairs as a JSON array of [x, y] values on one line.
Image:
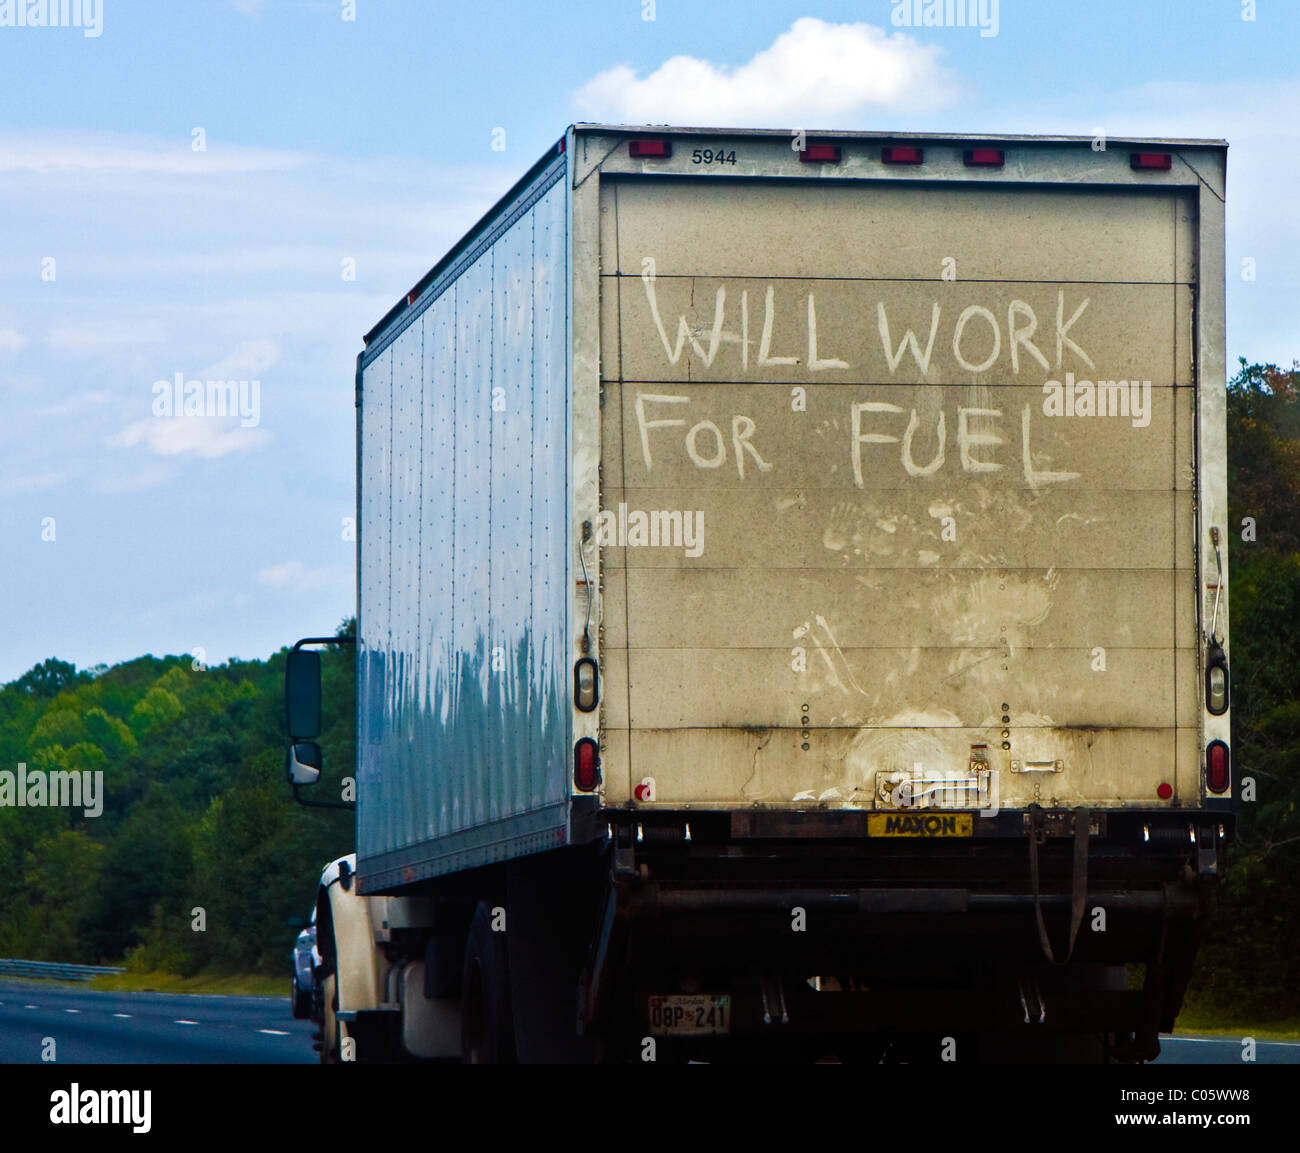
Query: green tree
[[61, 874]]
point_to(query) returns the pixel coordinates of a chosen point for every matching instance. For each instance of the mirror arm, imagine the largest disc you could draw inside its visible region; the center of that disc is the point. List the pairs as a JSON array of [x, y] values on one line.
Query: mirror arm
[[323, 641], [320, 804]]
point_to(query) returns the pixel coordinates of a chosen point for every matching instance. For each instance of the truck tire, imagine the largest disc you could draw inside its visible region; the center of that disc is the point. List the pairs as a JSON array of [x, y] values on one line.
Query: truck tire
[[329, 1032], [487, 1034], [554, 907], [300, 1001]]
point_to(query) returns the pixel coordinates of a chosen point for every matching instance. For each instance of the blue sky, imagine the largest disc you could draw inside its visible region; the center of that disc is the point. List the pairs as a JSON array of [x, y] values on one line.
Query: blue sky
[[370, 140]]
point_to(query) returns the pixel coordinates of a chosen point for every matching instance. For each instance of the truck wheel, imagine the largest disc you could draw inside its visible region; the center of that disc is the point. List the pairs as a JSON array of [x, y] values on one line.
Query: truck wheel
[[333, 1031], [329, 1029], [300, 1001], [487, 1029]]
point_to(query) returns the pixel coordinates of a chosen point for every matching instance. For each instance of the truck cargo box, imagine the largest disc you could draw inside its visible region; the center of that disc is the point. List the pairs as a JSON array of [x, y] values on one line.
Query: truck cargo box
[[874, 474]]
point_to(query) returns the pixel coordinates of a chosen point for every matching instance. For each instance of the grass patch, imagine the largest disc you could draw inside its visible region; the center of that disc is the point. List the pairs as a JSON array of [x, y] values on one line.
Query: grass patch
[[240, 984], [1208, 1021]]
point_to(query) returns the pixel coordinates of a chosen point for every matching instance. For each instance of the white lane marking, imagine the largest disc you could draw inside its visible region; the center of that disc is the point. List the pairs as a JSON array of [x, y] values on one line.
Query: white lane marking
[[274, 1032], [72, 1010], [31, 1006], [184, 1022], [121, 1014], [1227, 1041]]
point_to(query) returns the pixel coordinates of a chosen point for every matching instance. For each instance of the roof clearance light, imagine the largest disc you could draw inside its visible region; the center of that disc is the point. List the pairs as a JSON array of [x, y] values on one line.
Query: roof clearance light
[[820, 154], [900, 154], [984, 157], [1217, 777], [1150, 161], [646, 149]]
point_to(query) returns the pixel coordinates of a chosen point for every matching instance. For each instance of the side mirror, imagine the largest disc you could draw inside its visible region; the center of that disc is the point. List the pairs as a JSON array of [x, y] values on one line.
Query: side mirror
[[302, 694], [302, 764]]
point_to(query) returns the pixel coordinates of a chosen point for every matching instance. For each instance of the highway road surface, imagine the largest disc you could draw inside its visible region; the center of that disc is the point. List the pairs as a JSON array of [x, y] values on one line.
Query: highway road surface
[[148, 1028], [184, 1029]]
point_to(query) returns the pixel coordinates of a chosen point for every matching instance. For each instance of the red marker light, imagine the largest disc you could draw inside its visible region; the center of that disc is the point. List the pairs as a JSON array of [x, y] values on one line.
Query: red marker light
[[984, 157], [650, 149], [1217, 759], [899, 154], [586, 765], [820, 154], [1164, 790], [1150, 161]]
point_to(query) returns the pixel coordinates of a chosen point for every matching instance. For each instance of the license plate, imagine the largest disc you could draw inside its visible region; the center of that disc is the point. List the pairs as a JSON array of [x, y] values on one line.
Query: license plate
[[690, 1014], [919, 825]]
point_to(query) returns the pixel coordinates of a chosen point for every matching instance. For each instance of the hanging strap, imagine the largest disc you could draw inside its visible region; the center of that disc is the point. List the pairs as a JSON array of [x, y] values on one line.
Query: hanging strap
[[1079, 891]]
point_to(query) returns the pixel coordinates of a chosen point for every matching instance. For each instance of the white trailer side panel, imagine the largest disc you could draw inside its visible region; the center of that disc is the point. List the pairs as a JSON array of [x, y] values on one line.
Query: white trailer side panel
[[463, 667]]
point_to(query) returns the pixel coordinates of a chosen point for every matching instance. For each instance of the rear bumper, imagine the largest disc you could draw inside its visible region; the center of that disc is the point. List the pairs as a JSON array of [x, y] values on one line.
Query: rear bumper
[[927, 931]]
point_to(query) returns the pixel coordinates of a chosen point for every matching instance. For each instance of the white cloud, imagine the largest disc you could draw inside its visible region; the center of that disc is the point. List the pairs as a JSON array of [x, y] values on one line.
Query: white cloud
[[112, 153], [206, 437], [293, 574], [815, 74], [33, 482], [11, 340], [100, 336], [79, 404], [246, 362], [247, 7]]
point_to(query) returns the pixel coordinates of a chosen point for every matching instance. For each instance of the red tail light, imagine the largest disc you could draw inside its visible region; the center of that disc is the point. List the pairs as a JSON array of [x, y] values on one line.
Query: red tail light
[[1217, 767], [1150, 161], [821, 154], [650, 149], [898, 154], [984, 157], [586, 765]]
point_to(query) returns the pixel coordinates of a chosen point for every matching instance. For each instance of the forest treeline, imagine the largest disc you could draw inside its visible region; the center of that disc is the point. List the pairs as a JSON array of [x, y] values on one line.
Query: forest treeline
[[198, 816], [1248, 968], [196, 813]]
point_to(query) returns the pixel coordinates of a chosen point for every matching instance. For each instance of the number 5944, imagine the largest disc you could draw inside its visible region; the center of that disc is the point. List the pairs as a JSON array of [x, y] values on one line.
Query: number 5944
[[710, 156]]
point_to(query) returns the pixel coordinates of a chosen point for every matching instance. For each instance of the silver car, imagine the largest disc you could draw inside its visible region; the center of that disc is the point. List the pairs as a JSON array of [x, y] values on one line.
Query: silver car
[[305, 962]]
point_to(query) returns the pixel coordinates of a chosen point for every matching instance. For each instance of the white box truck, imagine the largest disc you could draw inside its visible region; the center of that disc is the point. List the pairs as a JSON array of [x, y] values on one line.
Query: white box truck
[[792, 608]]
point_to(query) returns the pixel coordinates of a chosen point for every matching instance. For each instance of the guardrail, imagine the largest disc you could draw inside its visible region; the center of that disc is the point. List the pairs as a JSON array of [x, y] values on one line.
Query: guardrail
[[52, 970]]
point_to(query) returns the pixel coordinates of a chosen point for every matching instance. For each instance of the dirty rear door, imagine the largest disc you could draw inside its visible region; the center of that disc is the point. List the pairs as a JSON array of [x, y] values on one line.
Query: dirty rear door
[[897, 487]]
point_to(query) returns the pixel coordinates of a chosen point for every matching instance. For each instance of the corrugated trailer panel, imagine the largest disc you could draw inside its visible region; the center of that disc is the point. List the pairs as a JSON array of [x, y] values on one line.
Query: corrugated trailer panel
[[462, 670]]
